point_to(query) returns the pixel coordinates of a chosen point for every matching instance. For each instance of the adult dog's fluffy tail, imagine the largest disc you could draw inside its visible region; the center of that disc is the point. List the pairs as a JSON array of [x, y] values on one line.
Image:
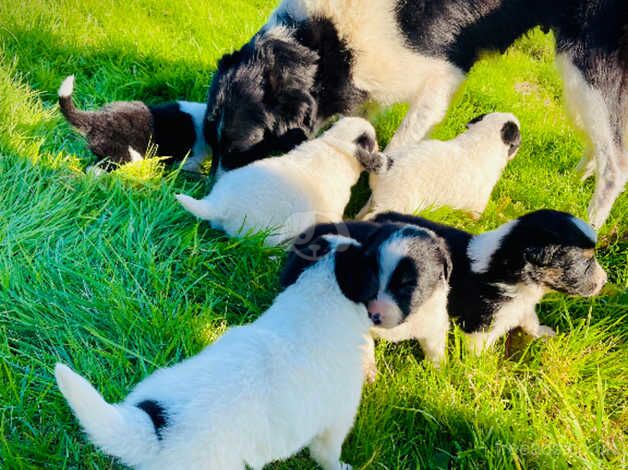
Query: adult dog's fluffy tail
[[201, 208], [79, 119], [123, 431]]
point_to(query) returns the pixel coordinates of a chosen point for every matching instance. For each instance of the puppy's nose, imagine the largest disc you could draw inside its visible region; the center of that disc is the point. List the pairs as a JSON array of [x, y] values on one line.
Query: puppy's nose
[[376, 318]]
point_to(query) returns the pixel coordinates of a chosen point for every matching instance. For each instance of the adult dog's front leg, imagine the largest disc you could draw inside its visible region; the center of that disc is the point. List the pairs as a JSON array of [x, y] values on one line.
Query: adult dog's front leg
[[427, 108]]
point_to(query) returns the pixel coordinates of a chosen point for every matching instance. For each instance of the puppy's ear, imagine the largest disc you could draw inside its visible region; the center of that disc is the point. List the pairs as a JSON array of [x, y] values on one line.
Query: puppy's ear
[[538, 255], [302, 255], [511, 136], [356, 273]]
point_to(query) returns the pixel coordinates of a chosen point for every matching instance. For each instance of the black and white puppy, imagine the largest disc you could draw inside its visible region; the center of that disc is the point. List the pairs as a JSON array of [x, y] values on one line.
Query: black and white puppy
[[316, 58], [498, 277], [122, 131], [287, 194], [413, 267], [262, 392]]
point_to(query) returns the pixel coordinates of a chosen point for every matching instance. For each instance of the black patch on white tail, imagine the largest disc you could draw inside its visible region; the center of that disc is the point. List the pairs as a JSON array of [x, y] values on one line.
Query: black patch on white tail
[[156, 413]]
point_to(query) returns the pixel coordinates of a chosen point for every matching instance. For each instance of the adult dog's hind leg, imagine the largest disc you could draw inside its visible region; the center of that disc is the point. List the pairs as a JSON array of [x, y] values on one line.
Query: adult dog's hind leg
[[595, 93]]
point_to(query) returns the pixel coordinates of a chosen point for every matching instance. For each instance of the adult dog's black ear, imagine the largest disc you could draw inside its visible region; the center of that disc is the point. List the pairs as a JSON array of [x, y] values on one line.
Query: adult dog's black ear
[[356, 273], [289, 75]]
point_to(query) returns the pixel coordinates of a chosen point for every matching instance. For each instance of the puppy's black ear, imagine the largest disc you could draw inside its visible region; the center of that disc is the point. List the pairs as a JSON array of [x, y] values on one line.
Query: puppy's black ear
[[538, 255], [356, 273], [302, 255], [369, 158], [511, 136]]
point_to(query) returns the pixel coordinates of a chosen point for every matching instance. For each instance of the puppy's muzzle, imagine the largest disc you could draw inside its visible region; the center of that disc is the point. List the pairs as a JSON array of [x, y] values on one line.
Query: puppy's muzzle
[[384, 313]]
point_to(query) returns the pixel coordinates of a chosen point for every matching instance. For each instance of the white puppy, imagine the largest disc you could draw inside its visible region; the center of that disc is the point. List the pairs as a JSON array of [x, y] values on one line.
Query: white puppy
[[262, 392], [459, 173], [287, 194]]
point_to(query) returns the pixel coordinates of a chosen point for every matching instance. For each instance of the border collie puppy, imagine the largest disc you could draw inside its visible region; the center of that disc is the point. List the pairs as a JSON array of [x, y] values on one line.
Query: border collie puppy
[[499, 276], [459, 173], [316, 58], [261, 392], [288, 194], [121, 131], [413, 267]]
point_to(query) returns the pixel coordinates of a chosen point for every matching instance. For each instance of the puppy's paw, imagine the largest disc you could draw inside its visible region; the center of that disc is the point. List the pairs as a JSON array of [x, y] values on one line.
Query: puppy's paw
[[545, 332], [344, 466]]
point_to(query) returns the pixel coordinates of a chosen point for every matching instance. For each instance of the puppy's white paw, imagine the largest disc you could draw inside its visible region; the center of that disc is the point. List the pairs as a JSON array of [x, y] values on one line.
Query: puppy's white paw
[[344, 466], [545, 331]]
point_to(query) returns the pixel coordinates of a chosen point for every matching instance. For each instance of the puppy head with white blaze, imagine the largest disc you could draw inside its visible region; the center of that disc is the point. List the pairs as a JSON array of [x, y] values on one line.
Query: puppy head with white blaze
[[413, 262], [549, 248], [506, 124], [410, 264]]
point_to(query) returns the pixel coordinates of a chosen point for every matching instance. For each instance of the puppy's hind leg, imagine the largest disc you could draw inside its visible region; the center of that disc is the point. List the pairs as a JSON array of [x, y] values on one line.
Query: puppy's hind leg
[[326, 448]]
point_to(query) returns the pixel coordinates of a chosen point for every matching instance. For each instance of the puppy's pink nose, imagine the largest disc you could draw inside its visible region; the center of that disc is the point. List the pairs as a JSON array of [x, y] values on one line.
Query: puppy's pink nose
[[376, 306]]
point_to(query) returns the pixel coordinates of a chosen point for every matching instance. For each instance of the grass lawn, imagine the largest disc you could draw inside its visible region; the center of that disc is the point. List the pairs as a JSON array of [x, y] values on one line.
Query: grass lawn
[[112, 277]]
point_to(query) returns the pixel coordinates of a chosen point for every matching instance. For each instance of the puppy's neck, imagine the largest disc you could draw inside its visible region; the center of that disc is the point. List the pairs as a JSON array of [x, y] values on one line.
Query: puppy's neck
[[483, 247]]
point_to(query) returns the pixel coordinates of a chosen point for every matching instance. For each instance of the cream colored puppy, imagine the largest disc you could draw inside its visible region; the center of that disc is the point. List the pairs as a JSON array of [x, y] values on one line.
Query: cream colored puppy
[[287, 194], [459, 173]]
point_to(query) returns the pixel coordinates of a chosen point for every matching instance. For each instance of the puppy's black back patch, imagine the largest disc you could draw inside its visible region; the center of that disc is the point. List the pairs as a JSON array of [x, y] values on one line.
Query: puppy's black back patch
[[156, 413], [476, 119]]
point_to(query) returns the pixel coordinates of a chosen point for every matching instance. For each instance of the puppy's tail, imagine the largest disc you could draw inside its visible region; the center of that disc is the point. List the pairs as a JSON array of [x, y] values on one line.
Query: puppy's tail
[[79, 119], [201, 208], [124, 431]]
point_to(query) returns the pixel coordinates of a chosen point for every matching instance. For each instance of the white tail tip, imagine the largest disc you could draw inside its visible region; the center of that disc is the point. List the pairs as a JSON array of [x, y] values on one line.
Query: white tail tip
[[199, 208], [135, 155], [67, 87]]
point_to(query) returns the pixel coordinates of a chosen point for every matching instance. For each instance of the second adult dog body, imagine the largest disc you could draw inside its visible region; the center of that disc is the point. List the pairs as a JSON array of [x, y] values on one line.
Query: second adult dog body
[[261, 392], [287, 194], [316, 58], [122, 131], [459, 173]]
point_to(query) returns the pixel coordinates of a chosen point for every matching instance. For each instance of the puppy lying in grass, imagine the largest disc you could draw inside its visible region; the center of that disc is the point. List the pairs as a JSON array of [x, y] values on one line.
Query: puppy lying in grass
[[287, 194], [121, 131], [413, 268], [500, 276], [459, 173], [260, 393]]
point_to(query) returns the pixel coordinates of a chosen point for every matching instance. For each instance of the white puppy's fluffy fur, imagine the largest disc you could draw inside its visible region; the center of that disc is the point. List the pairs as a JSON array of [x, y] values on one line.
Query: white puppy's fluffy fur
[[459, 173], [291, 379], [287, 194]]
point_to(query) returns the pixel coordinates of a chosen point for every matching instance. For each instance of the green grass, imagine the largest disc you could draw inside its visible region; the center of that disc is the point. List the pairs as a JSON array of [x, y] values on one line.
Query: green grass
[[110, 276]]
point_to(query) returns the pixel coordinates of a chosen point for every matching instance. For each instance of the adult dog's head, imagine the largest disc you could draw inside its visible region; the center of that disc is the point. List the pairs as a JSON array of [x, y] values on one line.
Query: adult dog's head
[[260, 101]]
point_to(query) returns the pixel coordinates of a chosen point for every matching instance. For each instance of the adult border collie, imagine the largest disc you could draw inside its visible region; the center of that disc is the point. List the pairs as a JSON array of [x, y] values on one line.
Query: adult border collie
[[317, 58]]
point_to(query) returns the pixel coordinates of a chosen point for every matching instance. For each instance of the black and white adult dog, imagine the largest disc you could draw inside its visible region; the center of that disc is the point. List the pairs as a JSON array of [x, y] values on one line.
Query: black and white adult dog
[[413, 267], [316, 58], [122, 131], [262, 392]]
